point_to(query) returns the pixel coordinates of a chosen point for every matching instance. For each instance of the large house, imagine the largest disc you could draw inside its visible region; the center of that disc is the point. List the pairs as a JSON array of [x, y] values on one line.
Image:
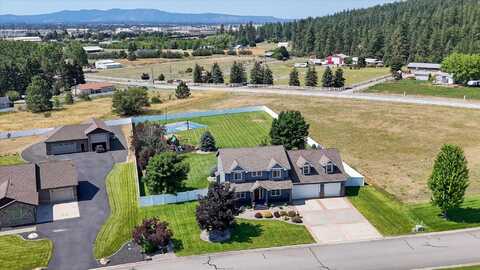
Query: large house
[[265, 175], [93, 88], [24, 187], [92, 136], [423, 71]]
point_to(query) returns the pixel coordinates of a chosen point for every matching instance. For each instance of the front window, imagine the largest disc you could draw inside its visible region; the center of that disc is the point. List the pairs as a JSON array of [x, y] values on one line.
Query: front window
[[237, 176], [276, 174], [306, 170], [275, 193], [256, 174], [242, 195]]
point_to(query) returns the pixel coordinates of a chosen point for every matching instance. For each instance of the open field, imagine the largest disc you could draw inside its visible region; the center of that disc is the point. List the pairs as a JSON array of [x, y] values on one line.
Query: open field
[[125, 214], [413, 87], [175, 69], [18, 254]]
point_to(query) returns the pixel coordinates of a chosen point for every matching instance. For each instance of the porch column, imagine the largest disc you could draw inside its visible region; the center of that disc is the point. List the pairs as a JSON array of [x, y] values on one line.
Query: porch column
[[266, 196]]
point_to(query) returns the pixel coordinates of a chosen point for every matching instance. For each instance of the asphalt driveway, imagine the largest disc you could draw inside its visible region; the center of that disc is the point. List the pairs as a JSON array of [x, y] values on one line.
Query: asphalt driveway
[[335, 220], [73, 238]]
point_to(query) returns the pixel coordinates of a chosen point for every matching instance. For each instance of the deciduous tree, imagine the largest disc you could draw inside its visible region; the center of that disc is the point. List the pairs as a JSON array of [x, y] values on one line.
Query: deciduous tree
[[165, 173], [289, 130]]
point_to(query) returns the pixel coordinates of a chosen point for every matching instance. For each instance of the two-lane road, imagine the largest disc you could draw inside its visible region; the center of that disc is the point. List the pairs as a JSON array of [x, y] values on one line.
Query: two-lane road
[[410, 252]]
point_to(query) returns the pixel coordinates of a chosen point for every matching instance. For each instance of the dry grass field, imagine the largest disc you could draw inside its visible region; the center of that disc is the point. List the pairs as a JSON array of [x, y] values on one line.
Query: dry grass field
[[393, 145]]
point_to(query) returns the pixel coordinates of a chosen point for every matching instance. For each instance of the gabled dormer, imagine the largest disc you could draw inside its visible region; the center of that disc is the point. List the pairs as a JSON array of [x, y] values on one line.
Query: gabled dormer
[[275, 169], [327, 164], [304, 165], [237, 171]]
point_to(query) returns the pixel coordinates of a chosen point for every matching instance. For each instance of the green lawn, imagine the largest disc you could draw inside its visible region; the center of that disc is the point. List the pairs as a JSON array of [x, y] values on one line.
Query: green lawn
[[413, 87], [18, 254], [474, 267], [11, 160], [125, 215], [392, 217]]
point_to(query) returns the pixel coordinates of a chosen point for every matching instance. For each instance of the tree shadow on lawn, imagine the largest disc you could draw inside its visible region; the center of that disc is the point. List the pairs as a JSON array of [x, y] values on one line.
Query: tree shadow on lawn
[[464, 215], [244, 232]]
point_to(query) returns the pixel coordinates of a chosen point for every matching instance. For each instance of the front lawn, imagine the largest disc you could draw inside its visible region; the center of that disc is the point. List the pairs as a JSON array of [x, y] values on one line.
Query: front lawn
[[19, 254], [13, 159], [125, 214], [422, 88]]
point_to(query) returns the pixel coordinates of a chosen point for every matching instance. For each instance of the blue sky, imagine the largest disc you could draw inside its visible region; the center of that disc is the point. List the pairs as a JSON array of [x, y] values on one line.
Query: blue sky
[[278, 8]]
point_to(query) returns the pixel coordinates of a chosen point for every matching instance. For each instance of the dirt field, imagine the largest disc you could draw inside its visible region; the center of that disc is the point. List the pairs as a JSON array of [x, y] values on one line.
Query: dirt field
[[393, 145]]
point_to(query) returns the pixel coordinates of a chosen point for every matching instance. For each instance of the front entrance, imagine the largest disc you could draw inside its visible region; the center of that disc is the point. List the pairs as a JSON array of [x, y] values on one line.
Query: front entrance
[[259, 195]]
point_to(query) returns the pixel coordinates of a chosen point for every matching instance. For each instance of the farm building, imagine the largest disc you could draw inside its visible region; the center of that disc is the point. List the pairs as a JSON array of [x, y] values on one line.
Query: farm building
[[93, 88], [444, 78], [92, 49], [336, 59], [107, 64]]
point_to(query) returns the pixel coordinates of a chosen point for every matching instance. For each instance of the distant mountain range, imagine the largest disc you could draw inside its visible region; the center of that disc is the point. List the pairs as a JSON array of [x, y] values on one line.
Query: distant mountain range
[[132, 16]]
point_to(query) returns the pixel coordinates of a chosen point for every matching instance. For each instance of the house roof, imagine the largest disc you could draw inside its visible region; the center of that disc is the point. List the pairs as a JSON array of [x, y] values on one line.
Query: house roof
[[424, 65], [94, 86], [317, 159], [265, 184], [57, 174], [252, 159], [77, 132], [19, 183]]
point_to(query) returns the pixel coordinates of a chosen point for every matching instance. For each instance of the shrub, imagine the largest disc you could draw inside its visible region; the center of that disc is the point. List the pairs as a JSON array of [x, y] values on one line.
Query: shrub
[[267, 214], [189, 70], [130, 101], [258, 215], [13, 95], [151, 234], [161, 77], [182, 91], [292, 213], [68, 98], [145, 76], [276, 214], [84, 97], [155, 100], [297, 219], [286, 218], [47, 114], [283, 213], [231, 52]]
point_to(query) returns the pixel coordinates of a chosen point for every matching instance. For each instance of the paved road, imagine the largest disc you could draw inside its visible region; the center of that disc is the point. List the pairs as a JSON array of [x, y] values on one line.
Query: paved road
[[398, 253], [349, 94]]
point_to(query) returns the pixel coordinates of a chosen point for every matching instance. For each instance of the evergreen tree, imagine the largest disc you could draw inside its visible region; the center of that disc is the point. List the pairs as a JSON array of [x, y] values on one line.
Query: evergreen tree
[[267, 76], [449, 179], [294, 79], [311, 78], [237, 73], [197, 74], [39, 93], [182, 91], [327, 78], [256, 74], [207, 142], [339, 80], [217, 74], [289, 130]]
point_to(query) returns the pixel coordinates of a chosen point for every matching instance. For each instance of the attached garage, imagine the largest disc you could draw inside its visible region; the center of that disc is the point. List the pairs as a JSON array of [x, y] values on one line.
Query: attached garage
[[332, 189], [300, 192]]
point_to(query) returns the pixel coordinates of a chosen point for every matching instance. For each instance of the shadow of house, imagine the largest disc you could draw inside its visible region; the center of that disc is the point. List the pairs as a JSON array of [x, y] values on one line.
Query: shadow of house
[[86, 191]]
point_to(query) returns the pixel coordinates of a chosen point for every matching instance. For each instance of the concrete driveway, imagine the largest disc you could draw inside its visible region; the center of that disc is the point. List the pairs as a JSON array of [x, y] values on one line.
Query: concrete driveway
[[58, 211], [335, 220]]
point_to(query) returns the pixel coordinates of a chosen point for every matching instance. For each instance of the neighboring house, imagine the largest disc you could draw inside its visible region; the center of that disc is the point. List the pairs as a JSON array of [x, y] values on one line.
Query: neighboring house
[[24, 187], [265, 175], [93, 49], [27, 39], [282, 44], [336, 59], [423, 71], [107, 64], [268, 54], [5, 103], [316, 61], [444, 78], [373, 62], [92, 136], [301, 65], [93, 88]]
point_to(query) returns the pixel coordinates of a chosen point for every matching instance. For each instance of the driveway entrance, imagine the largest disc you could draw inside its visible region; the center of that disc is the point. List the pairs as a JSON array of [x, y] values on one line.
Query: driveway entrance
[[335, 220]]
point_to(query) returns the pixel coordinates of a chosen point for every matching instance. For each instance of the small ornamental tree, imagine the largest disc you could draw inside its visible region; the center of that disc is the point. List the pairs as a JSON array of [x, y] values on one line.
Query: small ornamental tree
[[182, 91], [207, 142], [338, 80], [130, 101], [294, 79], [165, 173], [289, 130], [449, 179], [327, 79], [311, 78], [216, 211], [152, 234], [39, 93]]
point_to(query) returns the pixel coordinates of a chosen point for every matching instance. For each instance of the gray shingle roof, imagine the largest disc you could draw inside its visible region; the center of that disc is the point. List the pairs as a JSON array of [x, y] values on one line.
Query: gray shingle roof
[[252, 159], [424, 65], [19, 183], [318, 159], [57, 174], [77, 132], [266, 184]]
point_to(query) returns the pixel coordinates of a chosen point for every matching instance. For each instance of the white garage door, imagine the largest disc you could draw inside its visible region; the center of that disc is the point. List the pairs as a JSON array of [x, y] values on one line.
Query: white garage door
[[332, 190], [300, 192], [61, 195], [63, 148]]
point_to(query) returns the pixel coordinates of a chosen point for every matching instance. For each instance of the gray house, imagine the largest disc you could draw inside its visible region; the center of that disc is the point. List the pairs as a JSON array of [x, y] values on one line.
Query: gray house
[[24, 187], [265, 175], [92, 136]]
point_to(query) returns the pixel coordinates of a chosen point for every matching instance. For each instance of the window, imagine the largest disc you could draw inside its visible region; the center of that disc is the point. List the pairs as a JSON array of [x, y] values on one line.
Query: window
[[276, 173], [237, 176], [241, 195], [329, 168], [275, 193], [306, 170], [256, 174]]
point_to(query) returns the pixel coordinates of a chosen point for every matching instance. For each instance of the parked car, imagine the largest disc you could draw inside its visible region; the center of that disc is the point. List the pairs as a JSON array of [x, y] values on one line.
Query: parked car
[[100, 149], [473, 83]]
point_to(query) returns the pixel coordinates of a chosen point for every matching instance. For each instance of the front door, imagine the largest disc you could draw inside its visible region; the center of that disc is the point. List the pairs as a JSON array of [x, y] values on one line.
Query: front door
[[259, 195]]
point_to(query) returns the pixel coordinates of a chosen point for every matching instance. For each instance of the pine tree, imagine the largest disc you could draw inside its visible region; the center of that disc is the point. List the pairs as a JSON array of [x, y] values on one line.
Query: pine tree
[[311, 78], [294, 78], [217, 74], [182, 91], [197, 74], [256, 74], [327, 78], [339, 80], [267, 76], [237, 73], [207, 142]]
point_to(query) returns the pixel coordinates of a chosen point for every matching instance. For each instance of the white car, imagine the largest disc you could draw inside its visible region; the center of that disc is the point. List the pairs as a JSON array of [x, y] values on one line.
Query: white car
[[473, 83]]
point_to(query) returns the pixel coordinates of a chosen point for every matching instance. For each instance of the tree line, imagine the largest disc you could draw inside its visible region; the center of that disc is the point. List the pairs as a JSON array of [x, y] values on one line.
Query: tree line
[[414, 30]]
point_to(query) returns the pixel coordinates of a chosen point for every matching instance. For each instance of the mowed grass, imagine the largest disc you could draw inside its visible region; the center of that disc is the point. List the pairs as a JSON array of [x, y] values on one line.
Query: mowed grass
[[421, 88], [473, 267], [10, 159], [125, 214], [19, 254]]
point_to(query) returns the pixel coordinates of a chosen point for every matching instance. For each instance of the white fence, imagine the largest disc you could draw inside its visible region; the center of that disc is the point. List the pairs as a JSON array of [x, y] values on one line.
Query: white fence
[[187, 196]]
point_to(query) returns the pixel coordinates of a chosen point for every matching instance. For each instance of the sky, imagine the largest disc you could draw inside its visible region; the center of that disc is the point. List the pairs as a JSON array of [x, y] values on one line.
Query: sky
[[278, 8]]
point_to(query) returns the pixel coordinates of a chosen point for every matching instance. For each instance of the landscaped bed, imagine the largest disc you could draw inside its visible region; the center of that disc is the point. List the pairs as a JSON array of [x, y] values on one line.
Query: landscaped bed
[[19, 254], [126, 214]]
